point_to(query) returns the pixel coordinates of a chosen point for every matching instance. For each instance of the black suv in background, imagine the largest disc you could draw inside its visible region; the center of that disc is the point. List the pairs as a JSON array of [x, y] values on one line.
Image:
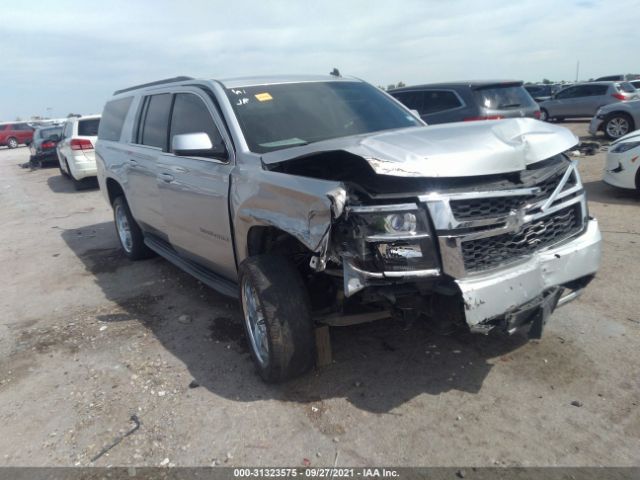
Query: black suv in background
[[465, 101]]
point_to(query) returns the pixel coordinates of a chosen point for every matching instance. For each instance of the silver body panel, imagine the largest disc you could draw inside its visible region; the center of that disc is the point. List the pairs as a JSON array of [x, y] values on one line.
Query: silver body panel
[[206, 208]]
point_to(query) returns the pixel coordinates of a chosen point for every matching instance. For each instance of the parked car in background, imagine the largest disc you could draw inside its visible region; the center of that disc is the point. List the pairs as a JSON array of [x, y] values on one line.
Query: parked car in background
[[246, 185], [15, 133], [542, 92], [467, 101], [584, 99], [43, 146], [76, 153], [623, 162], [619, 78], [635, 83], [616, 119]]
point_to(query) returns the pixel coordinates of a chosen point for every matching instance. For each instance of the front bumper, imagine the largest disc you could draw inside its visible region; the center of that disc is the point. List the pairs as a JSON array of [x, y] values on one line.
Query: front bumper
[[487, 297], [595, 125]]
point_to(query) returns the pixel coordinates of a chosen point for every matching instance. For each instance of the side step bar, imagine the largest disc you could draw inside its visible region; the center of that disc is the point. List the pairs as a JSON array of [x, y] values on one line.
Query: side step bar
[[206, 276]]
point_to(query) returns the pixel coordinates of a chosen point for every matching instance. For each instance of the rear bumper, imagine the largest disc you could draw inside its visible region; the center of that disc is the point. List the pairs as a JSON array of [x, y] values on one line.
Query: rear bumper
[[506, 291], [82, 165]]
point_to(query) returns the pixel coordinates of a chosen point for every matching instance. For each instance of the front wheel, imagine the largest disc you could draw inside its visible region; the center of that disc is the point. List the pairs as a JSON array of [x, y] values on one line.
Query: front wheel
[[129, 233], [617, 125], [277, 317]]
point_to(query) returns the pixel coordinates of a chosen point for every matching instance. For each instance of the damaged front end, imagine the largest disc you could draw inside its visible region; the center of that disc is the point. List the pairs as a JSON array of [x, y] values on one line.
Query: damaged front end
[[496, 244]]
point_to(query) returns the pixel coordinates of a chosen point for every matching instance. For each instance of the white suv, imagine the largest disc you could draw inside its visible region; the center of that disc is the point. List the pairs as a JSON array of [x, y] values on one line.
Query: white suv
[[76, 152]]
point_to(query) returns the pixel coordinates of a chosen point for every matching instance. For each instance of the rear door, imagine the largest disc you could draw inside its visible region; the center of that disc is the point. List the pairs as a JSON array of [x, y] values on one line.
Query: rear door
[[23, 132], [442, 106], [596, 97], [564, 103], [148, 145], [194, 190]]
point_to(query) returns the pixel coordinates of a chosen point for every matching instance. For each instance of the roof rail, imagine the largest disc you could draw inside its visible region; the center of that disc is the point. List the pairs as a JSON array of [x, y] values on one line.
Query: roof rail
[[159, 82]]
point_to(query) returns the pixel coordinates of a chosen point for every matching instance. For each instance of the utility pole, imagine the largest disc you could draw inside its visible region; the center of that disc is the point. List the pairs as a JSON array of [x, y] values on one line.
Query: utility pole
[[577, 70]]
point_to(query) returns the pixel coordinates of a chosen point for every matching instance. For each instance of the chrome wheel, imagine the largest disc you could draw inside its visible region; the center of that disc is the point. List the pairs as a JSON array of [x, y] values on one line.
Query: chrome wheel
[[13, 143], [255, 323], [124, 230], [544, 116], [617, 127]]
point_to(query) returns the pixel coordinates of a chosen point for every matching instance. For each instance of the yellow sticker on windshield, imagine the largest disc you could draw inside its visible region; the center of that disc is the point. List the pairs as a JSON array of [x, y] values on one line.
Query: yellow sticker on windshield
[[263, 97]]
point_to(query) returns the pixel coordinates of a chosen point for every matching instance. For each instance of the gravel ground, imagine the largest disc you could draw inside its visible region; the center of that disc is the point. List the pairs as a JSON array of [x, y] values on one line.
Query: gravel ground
[[88, 339]]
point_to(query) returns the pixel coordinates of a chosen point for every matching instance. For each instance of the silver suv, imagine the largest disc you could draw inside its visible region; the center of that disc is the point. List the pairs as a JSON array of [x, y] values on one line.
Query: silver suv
[[584, 100], [324, 201]]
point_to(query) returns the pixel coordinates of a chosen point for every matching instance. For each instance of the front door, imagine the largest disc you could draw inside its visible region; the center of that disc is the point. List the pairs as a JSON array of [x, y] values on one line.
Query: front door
[[194, 190]]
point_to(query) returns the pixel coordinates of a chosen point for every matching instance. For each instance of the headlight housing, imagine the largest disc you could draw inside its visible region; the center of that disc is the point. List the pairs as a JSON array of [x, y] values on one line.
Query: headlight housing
[[624, 147], [392, 238]]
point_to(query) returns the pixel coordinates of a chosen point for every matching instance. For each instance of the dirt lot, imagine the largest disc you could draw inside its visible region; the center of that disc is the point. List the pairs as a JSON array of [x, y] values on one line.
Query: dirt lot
[[88, 338]]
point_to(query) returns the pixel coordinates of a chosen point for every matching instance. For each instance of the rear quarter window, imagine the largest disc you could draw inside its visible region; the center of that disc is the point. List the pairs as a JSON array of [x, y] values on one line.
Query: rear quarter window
[[89, 127], [113, 117], [155, 129], [626, 87]]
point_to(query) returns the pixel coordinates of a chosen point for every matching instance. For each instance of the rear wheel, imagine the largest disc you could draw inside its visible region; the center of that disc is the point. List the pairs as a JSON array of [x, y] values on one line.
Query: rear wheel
[[277, 317], [62, 171], [129, 233], [617, 125], [12, 143], [544, 115]]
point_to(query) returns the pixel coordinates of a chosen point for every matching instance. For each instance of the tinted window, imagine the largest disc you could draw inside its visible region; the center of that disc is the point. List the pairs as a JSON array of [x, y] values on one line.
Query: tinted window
[[273, 117], [113, 117], [412, 100], [439, 101], [88, 128], [156, 121], [501, 98], [47, 132], [190, 115], [567, 93], [21, 126], [626, 87], [595, 90]]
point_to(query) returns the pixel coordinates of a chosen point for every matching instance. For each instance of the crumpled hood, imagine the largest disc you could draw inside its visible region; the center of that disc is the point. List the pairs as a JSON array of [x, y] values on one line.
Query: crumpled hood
[[447, 150]]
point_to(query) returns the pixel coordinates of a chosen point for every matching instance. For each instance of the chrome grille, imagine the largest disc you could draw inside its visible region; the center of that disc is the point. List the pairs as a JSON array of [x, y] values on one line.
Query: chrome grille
[[473, 208], [482, 230], [488, 252]]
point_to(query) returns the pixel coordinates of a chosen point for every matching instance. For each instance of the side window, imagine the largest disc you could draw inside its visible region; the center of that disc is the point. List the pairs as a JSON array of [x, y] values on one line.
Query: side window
[[412, 100], [68, 129], [583, 91], [156, 121], [89, 127], [440, 100], [23, 127], [595, 90], [191, 115], [113, 118], [568, 93]]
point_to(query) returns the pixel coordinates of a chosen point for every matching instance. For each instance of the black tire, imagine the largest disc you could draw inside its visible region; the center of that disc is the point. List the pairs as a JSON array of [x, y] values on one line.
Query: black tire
[[12, 142], [283, 300], [62, 172], [136, 250], [621, 118], [544, 115]]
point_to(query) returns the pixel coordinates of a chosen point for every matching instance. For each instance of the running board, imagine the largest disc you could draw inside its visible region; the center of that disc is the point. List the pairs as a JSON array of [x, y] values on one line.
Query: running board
[[206, 276]]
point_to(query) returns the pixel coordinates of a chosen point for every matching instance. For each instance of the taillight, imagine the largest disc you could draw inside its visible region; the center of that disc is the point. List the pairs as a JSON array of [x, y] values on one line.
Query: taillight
[[81, 144], [485, 117], [536, 114], [48, 144], [619, 96]]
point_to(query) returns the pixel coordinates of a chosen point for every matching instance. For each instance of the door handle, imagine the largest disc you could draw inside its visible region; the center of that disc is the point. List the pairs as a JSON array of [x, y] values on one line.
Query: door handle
[[165, 177], [180, 169], [133, 162]]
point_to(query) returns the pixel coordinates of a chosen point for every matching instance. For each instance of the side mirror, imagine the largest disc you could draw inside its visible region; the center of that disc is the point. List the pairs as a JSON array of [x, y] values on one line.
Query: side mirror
[[197, 145], [54, 138]]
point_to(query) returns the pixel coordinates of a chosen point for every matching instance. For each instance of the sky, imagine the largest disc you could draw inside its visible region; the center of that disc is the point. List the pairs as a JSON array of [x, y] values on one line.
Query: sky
[[69, 56]]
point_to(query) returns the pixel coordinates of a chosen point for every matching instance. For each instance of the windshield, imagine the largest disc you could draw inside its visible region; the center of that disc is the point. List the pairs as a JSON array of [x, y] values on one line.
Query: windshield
[[500, 98], [274, 117]]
